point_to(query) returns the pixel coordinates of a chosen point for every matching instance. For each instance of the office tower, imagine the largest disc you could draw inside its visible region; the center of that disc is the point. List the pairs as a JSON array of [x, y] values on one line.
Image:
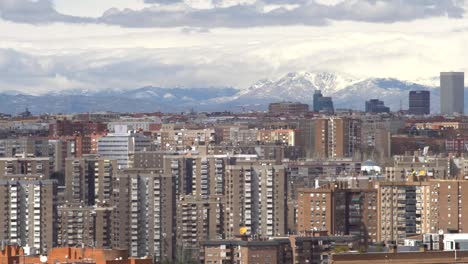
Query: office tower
[[89, 226], [452, 93], [28, 212], [376, 106], [419, 102], [88, 180], [322, 104], [143, 218], [121, 146], [288, 108]]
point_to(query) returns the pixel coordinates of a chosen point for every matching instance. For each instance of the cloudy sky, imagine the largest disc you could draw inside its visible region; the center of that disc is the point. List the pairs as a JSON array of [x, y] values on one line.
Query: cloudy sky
[[99, 44]]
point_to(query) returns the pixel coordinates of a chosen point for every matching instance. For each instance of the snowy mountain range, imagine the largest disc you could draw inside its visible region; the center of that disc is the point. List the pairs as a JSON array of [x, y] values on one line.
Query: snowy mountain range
[[347, 92]]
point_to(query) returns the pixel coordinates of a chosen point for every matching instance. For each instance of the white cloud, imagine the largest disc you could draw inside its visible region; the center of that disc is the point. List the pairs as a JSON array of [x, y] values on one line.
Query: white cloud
[[112, 57], [220, 43]]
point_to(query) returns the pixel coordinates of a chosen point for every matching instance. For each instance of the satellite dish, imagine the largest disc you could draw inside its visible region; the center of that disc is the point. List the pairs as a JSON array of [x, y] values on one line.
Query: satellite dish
[[43, 259]]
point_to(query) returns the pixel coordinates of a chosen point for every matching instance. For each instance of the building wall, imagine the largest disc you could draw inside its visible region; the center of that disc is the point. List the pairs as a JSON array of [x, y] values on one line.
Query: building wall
[[452, 92]]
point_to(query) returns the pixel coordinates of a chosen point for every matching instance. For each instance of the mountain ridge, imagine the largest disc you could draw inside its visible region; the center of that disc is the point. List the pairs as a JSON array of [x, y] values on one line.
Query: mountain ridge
[[347, 92]]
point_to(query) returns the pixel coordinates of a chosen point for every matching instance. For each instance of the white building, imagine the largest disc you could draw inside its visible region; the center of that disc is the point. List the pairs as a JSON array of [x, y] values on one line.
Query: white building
[[457, 241], [143, 124], [121, 146]]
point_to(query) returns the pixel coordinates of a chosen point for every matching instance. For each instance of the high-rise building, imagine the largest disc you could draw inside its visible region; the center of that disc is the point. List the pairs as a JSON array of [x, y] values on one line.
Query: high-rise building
[[452, 92], [338, 210], [28, 212], [322, 104], [419, 102], [143, 219], [376, 106], [256, 198], [413, 208], [88, 180], [121, 146], [200, 208], [59, 151], [336, 137]]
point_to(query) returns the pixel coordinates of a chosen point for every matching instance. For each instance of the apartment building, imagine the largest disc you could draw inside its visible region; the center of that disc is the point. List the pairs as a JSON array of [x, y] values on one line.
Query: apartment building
[[35, 146], [285, 137], [403, 210], [182, 138], [418, 167], [59, 151], [339, 210], [144, 213], [256, 195], [448, 206], [28, 213], [313, 247], [337, 137], [201, 207], [84, 226], [25, 165], [88, 180]]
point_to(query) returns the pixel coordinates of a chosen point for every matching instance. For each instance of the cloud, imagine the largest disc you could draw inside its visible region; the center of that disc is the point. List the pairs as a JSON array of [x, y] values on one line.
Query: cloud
[[163, 2], [307, 13], [34, 12], [241, 13]]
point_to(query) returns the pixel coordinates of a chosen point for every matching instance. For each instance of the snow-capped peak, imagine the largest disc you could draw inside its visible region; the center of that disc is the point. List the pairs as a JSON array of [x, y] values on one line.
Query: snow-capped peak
[[301, 84]]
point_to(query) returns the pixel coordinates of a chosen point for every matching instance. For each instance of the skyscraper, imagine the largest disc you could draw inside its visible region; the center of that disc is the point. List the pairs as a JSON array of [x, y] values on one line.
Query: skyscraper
[[419, 102], [452, 92], [321, 103], [376, 106]]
